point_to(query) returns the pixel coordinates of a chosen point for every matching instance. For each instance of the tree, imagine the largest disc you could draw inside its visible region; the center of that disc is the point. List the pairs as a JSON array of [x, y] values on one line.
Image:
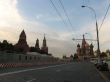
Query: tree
[[75, 56], [7, 47], [33, 49], [64, 56], [71, 56], [108, 51], [103, 54]]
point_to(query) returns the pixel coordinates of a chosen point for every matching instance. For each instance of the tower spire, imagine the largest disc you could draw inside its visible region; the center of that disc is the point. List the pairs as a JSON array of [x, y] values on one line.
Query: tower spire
[[83, 40], [23, 35], [44, 46], [44, 41], [37, 44], [83, 36], [22, 45]]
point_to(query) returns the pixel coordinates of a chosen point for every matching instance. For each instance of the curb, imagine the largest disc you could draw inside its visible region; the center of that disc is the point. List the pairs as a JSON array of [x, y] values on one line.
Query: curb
[[102, 75]]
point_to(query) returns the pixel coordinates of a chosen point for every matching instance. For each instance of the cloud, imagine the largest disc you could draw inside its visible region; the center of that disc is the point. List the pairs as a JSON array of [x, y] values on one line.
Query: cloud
[[59, 42], [104, 34], [9, 17], [39, 16], [12, 23], [8, 12]]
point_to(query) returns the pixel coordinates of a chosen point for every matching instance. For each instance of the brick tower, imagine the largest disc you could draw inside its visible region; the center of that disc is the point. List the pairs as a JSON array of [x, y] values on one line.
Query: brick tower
[[44, 48], [22, 45]]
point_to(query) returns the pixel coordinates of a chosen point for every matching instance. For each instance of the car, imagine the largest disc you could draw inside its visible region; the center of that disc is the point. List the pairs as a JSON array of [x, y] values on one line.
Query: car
[[94, 61], [102, 66]]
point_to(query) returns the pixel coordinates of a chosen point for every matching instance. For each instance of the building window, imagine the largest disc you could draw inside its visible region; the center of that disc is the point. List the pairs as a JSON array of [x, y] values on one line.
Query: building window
[[38, 58], [30, 58], [34, 57], [25, 57], [19, 57]]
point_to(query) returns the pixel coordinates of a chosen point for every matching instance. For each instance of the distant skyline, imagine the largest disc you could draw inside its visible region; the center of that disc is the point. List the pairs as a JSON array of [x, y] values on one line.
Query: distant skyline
[[38, 17]]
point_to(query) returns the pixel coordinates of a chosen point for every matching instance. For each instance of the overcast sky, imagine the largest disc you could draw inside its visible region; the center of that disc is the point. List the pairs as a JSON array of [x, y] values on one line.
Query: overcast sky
[[37, 17]]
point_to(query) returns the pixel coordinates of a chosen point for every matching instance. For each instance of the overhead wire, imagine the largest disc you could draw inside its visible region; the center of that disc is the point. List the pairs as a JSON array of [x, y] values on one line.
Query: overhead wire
[[104, 17], [60, 15], [66, 14], [58, 12]]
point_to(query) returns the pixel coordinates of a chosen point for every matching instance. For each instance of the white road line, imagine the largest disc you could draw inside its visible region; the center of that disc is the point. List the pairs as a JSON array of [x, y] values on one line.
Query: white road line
[[103, 76], [31, 80], [58, 70], [9, 73]]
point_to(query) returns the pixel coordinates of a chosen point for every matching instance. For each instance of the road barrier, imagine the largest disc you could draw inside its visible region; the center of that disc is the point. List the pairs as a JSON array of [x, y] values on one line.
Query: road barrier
[[13, 65]]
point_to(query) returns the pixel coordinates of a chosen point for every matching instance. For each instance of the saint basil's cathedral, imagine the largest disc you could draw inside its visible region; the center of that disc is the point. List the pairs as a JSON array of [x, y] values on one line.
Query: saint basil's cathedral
[[84, 51]]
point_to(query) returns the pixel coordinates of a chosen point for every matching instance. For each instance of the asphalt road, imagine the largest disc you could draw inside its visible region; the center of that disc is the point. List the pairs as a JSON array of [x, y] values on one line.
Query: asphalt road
[[74, 72]]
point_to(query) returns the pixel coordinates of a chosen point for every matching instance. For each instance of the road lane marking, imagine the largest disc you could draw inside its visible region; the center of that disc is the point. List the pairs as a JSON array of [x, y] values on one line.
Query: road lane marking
[[58, 70], [31, 80], [9, 73], [103, 76]]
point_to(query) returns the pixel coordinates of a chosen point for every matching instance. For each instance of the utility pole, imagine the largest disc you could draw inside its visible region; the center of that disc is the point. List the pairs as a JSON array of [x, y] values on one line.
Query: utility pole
[[97, 31]]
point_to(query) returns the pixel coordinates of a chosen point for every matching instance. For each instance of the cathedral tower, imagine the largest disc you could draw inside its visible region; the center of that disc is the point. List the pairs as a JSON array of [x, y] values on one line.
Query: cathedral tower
[[44, 48], [78, 50], [37, 45], [22, 45], [83, 48], [91, 50]]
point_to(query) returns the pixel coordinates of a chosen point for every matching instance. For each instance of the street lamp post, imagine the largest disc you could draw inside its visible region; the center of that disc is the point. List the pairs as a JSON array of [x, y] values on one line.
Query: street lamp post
[[98, 46]]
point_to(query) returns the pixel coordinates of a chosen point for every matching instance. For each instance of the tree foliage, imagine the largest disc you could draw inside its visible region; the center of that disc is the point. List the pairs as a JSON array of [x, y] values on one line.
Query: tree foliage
[[7, 47], [103, 54]]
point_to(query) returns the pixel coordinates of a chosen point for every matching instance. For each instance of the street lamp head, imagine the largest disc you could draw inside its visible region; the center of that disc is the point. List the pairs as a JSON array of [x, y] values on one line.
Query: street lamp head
[[83, 6], [73, 39]]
